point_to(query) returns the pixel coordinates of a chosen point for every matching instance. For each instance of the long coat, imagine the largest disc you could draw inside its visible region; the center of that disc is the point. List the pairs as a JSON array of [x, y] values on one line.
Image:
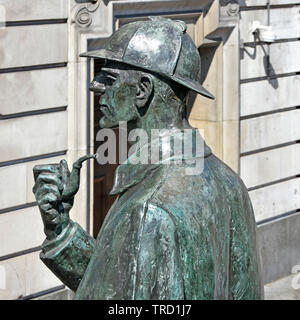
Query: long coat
[[169, 235]]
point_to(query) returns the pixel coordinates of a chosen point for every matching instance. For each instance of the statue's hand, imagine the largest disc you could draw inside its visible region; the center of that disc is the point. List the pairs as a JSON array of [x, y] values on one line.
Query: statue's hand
[[50, 181]]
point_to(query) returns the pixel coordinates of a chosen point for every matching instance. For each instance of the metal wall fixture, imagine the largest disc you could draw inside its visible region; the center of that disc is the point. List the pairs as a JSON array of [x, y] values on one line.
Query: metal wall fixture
[[264, 33]]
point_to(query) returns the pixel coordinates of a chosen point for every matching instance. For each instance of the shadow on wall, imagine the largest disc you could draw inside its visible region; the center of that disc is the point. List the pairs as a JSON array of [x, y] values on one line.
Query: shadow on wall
[[251, 50], [207, 55]]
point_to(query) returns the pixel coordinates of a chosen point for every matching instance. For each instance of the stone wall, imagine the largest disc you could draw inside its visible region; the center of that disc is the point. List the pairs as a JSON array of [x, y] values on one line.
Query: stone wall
[[269, 129], [33, 129]]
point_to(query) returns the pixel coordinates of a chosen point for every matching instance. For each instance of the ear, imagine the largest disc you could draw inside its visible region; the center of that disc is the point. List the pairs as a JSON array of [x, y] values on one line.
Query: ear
[[144, 90]]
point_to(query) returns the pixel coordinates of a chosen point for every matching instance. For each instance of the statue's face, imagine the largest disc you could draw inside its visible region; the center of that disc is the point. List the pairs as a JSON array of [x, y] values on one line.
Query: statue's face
[[116, 86]]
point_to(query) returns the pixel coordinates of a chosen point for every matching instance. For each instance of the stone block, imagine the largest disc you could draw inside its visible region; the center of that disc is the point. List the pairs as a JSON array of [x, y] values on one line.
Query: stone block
[[33, 45], [24, 276], [270, 130], [20, 230], [279, 243], [22, 10], [33, 90], [273, 200], [32, 136]]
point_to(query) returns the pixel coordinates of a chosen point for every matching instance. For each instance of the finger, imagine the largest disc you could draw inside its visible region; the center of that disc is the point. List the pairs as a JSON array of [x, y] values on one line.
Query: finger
[[45, 207], [51, 217], [47, 198], [50, 168], [48, 188], [64, 170], [50, 214], [46, 178], [64, 163]]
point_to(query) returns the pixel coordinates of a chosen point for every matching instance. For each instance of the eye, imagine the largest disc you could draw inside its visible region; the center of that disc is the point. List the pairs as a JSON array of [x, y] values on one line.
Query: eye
[[106, 78], [110, 79]]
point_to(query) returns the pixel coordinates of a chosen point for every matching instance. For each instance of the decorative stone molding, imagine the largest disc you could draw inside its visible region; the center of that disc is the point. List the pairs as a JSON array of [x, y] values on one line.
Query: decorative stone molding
[[83, 14], [86, 1], [229, 10]]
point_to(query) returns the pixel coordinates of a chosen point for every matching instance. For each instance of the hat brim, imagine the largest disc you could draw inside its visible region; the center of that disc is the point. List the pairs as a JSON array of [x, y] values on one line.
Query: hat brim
[[103, 54], [193, 85], [114, 56]]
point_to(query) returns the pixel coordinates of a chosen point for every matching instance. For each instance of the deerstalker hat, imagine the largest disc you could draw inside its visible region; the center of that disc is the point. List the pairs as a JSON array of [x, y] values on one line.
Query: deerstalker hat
[[159, 45]]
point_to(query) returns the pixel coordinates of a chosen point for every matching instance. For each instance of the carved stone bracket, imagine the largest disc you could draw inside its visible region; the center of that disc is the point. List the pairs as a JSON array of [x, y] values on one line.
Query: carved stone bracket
[[83, 14], [229, 8], [85, 1]]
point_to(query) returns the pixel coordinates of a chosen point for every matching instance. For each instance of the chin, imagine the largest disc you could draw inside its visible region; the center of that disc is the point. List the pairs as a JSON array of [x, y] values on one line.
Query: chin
[[106, 123]]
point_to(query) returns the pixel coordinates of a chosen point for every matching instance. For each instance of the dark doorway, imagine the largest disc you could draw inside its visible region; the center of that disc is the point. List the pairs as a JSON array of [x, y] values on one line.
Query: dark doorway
[[103, 174]]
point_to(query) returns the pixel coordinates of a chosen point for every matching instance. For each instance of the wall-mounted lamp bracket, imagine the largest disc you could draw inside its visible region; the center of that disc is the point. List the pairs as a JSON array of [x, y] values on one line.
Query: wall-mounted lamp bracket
[[264, 33]]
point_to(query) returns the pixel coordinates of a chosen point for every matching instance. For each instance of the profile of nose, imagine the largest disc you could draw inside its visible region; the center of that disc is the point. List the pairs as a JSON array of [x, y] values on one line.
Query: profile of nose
[[97, 87]]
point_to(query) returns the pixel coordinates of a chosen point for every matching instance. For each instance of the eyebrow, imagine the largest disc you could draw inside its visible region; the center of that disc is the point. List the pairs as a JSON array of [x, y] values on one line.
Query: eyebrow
[[109, 72]]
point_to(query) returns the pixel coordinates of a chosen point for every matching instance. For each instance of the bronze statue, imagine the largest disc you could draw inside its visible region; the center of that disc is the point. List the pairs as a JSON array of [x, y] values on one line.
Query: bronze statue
[[169, 234]]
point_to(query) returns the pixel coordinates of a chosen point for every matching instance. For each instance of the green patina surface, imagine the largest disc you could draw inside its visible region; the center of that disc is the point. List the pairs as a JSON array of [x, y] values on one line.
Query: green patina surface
[[169, 234]]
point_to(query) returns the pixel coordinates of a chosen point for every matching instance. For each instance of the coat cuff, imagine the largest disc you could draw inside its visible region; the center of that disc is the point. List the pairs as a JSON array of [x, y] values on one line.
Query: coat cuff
[[68, 255]]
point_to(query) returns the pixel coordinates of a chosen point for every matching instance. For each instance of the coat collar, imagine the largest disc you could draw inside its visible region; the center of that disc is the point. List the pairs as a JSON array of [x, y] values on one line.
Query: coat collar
[[139, 164]]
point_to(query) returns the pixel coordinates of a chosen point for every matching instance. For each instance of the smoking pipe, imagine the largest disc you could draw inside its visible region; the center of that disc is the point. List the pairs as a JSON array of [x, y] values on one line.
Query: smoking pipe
[[73, 181]]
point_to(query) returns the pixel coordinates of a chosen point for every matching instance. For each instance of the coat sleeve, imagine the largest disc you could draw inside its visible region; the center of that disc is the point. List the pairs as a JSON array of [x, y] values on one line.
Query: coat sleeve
[[68, 255]]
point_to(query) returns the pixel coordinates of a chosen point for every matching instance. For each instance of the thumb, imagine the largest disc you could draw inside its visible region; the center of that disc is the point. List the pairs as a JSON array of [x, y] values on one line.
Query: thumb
[[64, 171]]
